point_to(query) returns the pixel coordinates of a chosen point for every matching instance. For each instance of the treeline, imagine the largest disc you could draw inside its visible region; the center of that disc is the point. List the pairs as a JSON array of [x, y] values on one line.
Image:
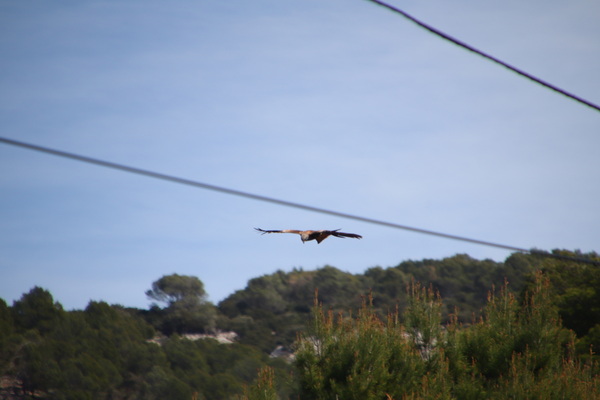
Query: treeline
[[281, 302], [272, 308], [462, 348], [104, 352]]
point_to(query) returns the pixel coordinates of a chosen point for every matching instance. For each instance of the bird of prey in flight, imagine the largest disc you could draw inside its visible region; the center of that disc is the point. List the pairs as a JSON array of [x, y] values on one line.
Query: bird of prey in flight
[[319, 236]]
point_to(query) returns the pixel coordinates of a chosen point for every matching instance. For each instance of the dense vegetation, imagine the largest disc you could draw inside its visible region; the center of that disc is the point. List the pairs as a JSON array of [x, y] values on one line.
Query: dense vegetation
[[103, 352], [514, 351], [427, 329]]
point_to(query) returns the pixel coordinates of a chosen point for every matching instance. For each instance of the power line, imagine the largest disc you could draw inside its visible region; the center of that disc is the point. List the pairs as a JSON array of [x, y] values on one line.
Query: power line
[[253, 196], [233, 192], [485, 55]]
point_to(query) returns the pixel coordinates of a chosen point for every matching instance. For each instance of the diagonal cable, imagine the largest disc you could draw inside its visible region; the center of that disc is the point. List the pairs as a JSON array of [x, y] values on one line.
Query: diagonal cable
[[285, 203], [485, 55], [248, 195]]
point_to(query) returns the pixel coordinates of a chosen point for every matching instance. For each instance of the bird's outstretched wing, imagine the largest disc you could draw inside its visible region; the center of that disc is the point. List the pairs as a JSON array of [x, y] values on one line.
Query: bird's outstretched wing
[[278, 231]]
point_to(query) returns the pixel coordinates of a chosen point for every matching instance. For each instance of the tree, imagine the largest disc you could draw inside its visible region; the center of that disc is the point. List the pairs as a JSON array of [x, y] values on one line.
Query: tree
[[175, 288], [187, 308], [263, 388], [358, 357], [6, 331], [37, 310]]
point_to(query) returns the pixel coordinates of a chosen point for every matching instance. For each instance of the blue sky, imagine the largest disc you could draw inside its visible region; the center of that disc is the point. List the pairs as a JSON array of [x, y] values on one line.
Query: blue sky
[[335, 104]]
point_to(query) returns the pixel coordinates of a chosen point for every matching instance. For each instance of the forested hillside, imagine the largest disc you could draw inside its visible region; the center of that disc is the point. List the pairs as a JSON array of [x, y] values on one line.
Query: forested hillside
[[282, 301], [112, 352]]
